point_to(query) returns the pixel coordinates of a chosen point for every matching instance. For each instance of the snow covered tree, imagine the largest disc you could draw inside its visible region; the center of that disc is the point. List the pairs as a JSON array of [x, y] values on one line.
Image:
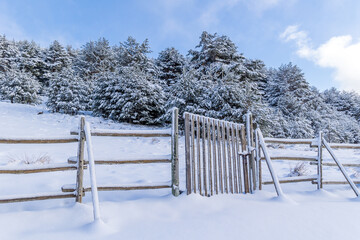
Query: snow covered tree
[[31, 58], [8, 53], [94, 58], [347, 102], [19, 86], [133, 54], [56, 58], [131, 96], [68, 93], [170, 64]]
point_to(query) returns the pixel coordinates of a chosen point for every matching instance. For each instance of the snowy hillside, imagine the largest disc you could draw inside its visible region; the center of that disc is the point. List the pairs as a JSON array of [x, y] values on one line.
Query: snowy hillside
[[156, 214]]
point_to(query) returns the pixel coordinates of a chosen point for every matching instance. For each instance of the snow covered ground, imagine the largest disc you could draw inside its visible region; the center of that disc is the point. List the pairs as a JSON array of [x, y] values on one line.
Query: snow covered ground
[[156, 214]]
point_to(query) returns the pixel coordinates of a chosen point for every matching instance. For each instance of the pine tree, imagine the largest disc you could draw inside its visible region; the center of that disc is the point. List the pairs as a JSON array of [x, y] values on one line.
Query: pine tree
[[31, 58], [133, 54], [56, 58], [170, 64], [68, 93], [19, 86], [94, 58], [134, 97], [8, 53]]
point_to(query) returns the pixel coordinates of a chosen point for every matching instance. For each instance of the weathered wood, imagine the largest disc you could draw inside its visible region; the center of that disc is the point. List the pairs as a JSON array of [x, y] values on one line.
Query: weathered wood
[[27, 198], [288, 141], [319, 160], [258, 160], [292, 158], [214, 154], [245, 162], [339, 146], [37, 169], [187, 154], [269, 163], [128, 133], [80, 162], [69, 188], [193, 167], [224, 158], [38, 141], [124, 161], [334, 182], [238, 158], [209, 157], [328, 164], [175, 153], [204, 155], [252, 158], [342, 169], [293, 180], [219, 140], [229, 157], [234, 157], [198, 153]]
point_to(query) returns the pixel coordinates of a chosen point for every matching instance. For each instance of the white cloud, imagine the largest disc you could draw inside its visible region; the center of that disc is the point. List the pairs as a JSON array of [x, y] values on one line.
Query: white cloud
[[211, 13], [340, 53]]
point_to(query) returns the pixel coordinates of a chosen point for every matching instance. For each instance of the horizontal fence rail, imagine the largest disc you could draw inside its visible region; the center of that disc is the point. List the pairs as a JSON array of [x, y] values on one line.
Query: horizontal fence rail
[[217, 160], [128, 133], [69, 139]]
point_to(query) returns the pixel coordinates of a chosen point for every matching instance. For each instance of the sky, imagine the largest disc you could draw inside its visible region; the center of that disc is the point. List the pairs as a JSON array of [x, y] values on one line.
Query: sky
[[322, 37]]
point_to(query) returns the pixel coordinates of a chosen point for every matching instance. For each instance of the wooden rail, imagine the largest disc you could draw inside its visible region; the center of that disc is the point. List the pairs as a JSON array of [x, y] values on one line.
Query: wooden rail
[[293, 179], [288, 141], [37, 169], [292, 158], [127, 133], [165, 159], [38, 140], [71, 188], [33, 197]]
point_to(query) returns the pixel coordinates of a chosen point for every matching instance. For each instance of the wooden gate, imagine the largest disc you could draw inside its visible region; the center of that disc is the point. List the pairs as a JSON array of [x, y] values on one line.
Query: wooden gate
[[219, 159]]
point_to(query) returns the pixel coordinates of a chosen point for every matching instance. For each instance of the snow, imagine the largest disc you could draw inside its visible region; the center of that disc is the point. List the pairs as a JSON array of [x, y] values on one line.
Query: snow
[[306, 213]]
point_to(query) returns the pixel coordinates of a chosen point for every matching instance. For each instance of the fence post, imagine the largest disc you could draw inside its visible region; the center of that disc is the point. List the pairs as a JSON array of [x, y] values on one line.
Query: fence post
[[250, 152], [319, 168], [80, 162], [175, 152]]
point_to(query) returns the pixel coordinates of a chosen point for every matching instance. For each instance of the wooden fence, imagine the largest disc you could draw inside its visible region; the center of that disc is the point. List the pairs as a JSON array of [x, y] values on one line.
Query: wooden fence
[[319, 143], [79, 164], [172, 158], [218, 156], [38, 169]]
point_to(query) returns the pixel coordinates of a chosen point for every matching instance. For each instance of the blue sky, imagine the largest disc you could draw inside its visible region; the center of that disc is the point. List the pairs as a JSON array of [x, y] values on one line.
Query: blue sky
[[321, 36]]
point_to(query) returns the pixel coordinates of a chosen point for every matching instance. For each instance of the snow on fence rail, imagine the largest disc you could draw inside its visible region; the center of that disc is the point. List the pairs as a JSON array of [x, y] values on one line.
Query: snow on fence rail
[[38, 169], [318, 143], [172, 158], [218, 156], [78, 163]]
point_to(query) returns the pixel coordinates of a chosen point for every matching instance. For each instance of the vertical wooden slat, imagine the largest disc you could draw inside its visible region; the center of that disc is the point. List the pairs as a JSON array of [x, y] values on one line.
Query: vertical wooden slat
[[245, 162], [252, 157], [234, 158], [237, 142], [258, 160], [219, 140], [175, 153], [224, 157], [80, 163], [193, 152], [319, 159], [198, 152], [209, 156], [214, 154], [228, 139], [187, 154], [204, 155]]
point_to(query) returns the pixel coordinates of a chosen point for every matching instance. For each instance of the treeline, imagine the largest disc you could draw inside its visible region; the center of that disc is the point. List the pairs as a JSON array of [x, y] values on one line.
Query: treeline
[[123, 83]]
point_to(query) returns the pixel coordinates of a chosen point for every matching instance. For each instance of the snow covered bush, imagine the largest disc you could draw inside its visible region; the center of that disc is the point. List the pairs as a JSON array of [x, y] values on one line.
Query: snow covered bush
[[67, 92], [19, 86], [300, 169], [131, 95]]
